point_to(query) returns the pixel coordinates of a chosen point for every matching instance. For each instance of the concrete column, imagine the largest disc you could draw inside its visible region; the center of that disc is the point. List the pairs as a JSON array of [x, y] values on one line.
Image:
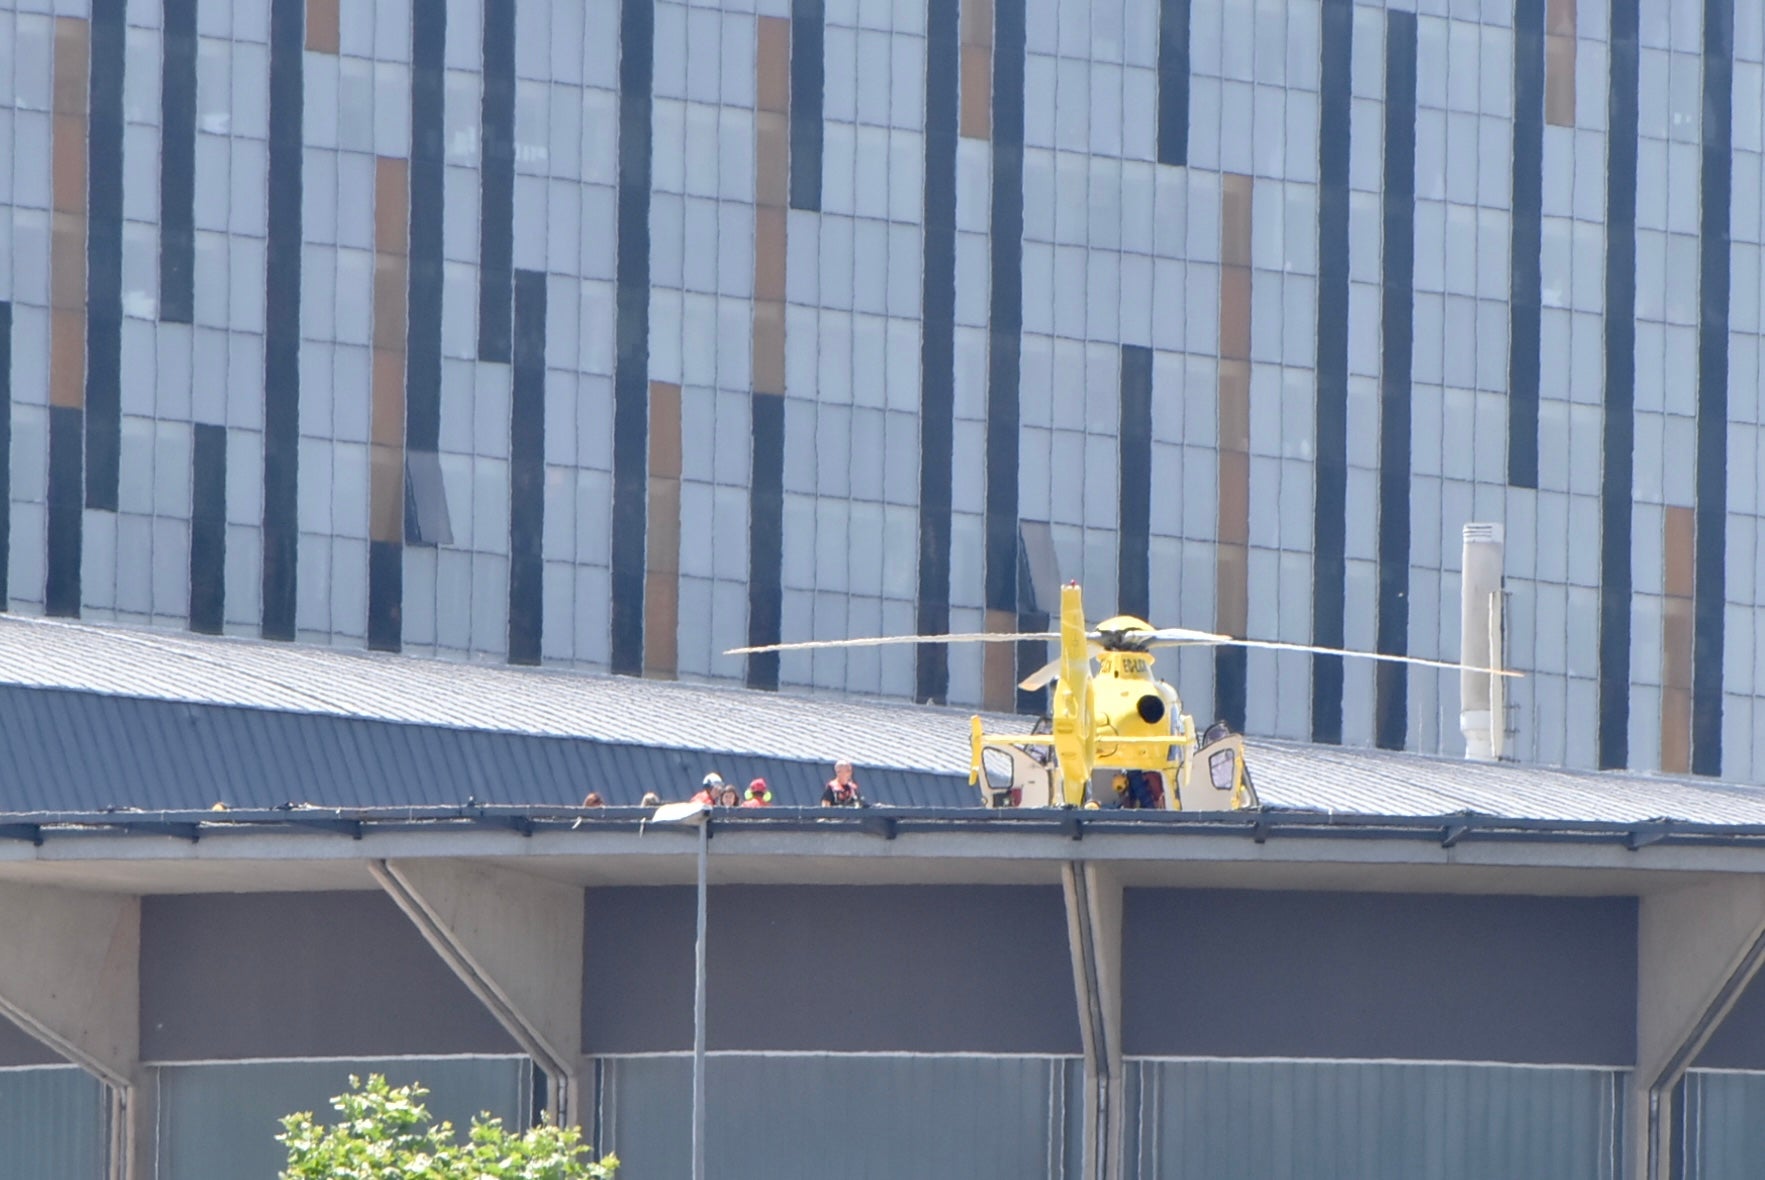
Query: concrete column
[[1697, 949], [1094, 933], [70, 975], [516, 941]]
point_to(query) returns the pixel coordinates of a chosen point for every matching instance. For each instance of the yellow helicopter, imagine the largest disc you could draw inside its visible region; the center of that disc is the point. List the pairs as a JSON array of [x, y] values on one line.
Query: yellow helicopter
[[1118, 725]]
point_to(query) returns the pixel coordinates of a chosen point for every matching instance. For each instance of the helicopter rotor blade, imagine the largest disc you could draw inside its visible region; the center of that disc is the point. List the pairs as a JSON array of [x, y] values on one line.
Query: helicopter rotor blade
[[889, 640], [1384, 657]]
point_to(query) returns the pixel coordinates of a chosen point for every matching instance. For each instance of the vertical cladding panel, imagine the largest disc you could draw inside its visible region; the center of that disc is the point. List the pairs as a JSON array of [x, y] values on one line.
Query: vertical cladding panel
[[661, 644], [1232, 574], [1330, 503], [1725, 1126], [1239, 1120], [6, 452], [1524, 287], [177, 164], [1677, 585], [496, 178], [1618, 442], [212, 1116], [1003, 564], [1391, 681], [1709, 589], [527, 471], [388, 416], [1559, 67], [281, 530], [808, 82], [937, 348], [53, 1121], [104, 255], [975, 113], [422, 403], [1133, 576], [1173, 81], [67, 301], [323, 26], [208, 528], [766, 537], [901, 1115], [772, 144], [631, 333]]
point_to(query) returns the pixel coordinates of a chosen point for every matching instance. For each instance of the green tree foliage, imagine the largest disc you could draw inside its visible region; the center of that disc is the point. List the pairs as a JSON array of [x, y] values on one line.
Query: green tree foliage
[[385, 1133]]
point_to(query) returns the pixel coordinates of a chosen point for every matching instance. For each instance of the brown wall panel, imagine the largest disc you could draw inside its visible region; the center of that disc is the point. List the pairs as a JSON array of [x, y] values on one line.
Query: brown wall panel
[[67, 246], [1232, 588], [391, 287], [1559, 81], [1677, 532], [769, 260], [975, 109], [769, 347], [999, 664], [661, 645], [228, 976], [322, 26]]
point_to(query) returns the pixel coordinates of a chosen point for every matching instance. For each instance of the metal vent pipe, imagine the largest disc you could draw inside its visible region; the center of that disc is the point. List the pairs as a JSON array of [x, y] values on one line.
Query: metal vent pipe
[[1480, 711]]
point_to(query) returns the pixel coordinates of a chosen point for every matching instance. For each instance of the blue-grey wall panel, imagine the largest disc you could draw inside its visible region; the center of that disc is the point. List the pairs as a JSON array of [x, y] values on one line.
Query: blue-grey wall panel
[[937, 349], [104, 256], [177, 164], [1242, 1120], [1618, 442], [208, 528], [1364, 975], [839, 968], [496, 179], [238, 975], [1723, 1125], [1330, 505], [1525, 307], [281, 533], [1710, 583], [810, 1117], [219, 1122], [53, 1124]]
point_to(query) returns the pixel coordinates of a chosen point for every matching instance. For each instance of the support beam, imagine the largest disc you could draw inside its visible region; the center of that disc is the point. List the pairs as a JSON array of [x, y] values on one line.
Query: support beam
[[70, 976], [1094, 933], [516, 941], [1697, 950]]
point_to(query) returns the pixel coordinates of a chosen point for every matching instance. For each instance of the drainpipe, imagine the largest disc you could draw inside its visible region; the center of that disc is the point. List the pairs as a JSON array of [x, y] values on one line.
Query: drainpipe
[[1481, 717]]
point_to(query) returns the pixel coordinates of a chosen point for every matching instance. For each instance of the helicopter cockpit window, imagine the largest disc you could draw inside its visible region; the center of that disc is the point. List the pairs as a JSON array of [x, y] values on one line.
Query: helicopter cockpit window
[[996, 765], [1222, 769]]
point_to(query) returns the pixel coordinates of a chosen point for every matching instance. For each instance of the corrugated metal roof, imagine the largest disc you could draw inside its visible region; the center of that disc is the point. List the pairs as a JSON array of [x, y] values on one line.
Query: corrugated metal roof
[[176, 666], [96, 717]]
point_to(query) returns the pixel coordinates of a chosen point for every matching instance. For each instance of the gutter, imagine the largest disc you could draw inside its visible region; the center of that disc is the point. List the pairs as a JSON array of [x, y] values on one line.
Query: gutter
[[1446, 831]]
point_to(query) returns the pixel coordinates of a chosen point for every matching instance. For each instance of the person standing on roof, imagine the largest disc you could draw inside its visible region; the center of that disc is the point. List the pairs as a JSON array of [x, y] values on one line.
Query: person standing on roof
[[842, 788], [758, 795], [708, 788]]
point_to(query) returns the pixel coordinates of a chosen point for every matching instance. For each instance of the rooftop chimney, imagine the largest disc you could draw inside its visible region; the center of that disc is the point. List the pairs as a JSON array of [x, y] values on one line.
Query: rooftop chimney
[[1481, 713]]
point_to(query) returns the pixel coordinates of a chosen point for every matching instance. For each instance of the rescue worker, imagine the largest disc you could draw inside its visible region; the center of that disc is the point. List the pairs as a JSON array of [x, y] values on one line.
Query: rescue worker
[[1141, 790], [708, 788], [757, 794], [841, 789]]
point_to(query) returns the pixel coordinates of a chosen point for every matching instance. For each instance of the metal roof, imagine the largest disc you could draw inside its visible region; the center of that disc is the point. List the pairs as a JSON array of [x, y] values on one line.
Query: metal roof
[[102, 716]]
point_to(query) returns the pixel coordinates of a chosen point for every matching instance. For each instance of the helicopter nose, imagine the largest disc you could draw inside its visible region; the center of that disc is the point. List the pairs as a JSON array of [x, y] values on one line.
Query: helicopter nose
[[1151, 708]]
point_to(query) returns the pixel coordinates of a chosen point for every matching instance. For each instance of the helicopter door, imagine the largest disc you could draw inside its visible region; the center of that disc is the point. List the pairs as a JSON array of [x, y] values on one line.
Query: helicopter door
[[1012, 777], [1218, 780]]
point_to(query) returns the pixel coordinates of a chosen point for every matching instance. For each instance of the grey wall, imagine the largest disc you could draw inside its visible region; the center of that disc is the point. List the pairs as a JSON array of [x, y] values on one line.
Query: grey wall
[[1739, 1041], [52, 1125], [18, 1047], [298, 975], [837, 968], [1232, 973]]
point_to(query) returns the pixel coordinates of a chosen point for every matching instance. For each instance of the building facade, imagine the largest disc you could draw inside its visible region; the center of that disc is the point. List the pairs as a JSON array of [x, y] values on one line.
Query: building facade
[[613, 334]]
